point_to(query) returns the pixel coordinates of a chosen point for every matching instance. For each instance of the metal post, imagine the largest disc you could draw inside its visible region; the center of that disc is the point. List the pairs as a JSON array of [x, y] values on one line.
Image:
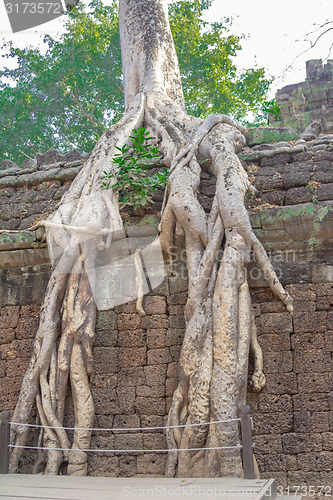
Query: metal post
[[4, 442], [246, 431]]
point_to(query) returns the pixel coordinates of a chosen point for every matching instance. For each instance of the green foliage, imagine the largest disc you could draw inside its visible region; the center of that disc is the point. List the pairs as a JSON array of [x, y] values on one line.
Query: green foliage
[[65, 94], [263, 117], [134, 183]]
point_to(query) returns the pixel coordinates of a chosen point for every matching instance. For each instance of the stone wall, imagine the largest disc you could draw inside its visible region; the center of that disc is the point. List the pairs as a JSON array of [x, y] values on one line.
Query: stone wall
[[136, 358], [302, 103]]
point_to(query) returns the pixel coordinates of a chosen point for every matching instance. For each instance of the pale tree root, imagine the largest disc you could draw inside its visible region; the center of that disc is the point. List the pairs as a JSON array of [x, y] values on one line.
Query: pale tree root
[[86, 215]]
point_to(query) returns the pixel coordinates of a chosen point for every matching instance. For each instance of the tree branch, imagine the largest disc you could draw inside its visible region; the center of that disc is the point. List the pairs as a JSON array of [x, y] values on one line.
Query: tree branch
[[83, 112]]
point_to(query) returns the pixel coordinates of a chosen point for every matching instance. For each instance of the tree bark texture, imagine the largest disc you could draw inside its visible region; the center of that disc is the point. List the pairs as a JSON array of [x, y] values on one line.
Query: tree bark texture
[[220, 328]]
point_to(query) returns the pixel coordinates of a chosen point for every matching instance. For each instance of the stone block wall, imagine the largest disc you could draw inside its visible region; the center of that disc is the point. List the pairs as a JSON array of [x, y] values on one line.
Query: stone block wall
[[136, 358], [135, 362], [303, 102]]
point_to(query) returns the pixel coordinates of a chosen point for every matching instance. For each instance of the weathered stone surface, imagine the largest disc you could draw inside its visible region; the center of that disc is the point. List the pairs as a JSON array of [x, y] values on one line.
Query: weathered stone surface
[[281, 383], [275, 323], [314, 382], [132, 357], [311, 402], [259, 135], [312, 131]]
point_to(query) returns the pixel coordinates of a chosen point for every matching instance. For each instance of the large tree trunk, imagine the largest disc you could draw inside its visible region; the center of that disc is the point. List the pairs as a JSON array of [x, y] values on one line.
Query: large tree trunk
[[219, 321]]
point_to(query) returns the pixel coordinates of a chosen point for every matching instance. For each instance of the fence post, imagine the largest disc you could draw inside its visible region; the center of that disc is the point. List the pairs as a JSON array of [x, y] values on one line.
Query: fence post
[[4, 442], [246, 431]]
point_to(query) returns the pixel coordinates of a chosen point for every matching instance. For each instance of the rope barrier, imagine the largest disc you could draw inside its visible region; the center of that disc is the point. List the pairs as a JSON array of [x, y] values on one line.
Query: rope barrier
[[238, 446], [122, 429]]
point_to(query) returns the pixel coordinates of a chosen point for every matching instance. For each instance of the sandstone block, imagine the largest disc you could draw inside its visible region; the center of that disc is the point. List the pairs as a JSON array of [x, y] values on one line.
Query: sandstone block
[[177, 322], [106, 359], [132, 338], [128, 322], [314, 382], [323, 461], [268, 443], [154, 304], [150, 406], [155, 375], [275, 403], [132, 376], [171, 385], [172, 370], [174, 336], [273, 423], [275, 342], [307, 341], [306, 421], [275, 323], [327, 441], [159, 356], [177, 310], [281, 383], [296, 442], [178, 284], [177, 299], [150, 421], [311, 401], [278, 362], [310, 322], [152, 463], [132, 357], [7, 335], [9, 316], [156, 337], [314, 360], [157, 391]]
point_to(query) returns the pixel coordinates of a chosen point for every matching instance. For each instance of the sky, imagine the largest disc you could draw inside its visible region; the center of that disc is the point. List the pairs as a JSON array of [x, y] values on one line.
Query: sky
[[274, 33]]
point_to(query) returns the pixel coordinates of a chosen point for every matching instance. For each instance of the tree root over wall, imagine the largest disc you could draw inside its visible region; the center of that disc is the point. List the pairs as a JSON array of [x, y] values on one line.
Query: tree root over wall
[[220, 328]]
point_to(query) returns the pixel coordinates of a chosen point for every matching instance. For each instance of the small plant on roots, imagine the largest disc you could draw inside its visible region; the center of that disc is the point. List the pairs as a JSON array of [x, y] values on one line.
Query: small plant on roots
[[131, 175]]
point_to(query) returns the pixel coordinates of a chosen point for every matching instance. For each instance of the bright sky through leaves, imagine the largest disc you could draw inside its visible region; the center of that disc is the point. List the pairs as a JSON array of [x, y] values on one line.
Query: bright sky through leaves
[[272, 29]]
